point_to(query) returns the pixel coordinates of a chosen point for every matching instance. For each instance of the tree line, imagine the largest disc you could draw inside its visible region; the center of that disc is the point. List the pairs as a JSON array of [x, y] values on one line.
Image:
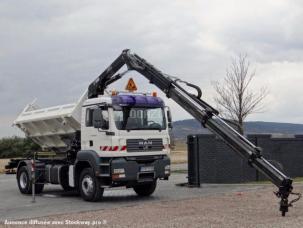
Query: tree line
[[12, 147]]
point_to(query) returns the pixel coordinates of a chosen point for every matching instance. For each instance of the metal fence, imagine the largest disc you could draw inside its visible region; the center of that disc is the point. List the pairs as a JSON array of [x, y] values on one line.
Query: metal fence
[[210, 160]]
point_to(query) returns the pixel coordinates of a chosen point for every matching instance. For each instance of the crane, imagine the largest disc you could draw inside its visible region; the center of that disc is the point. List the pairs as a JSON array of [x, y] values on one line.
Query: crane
[[203, 112]]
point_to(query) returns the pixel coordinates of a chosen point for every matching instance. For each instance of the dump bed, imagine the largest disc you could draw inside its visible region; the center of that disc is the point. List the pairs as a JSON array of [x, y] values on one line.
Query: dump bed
[[51, 127]]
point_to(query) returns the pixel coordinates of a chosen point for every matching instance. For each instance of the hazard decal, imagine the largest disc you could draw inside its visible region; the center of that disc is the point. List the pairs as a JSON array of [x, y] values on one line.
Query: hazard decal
[[131, 85]]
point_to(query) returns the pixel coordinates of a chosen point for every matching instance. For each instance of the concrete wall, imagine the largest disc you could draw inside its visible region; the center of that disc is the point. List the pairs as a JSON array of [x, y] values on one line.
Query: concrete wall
[[217, 163]]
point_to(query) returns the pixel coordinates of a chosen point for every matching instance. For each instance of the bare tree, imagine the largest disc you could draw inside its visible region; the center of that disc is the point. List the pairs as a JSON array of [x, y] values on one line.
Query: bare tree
[[234, 98]]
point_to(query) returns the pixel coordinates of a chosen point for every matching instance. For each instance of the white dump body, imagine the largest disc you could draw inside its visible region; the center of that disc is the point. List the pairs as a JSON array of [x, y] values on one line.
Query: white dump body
[[51, 127]]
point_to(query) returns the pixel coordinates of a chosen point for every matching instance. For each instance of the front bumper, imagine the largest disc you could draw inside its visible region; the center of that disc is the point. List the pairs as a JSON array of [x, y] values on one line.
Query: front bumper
[[138, 170]]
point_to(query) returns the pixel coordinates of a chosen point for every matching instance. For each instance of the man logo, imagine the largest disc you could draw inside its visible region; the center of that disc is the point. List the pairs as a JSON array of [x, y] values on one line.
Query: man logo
[[146, 144]]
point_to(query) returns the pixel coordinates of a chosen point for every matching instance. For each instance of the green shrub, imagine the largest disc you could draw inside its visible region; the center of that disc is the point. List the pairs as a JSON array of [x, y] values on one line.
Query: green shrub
[[11, 147]]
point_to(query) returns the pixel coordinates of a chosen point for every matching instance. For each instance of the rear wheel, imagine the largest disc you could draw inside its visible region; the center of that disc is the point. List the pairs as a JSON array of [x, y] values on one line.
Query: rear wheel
[[89, 186], [24, 182], [145, 189]]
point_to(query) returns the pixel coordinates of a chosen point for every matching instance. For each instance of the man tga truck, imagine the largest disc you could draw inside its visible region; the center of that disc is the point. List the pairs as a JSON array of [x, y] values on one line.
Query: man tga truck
[[115, 139], [122, 139]]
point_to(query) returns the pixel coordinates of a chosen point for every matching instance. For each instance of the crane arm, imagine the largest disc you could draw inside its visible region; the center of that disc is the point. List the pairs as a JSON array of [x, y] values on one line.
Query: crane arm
[[200, 110]]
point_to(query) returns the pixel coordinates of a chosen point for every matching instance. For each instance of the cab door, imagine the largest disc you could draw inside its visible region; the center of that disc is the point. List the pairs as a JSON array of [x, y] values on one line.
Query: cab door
[[96, 135]]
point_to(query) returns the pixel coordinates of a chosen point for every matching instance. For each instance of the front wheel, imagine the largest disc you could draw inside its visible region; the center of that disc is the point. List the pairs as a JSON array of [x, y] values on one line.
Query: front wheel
[[24, 182], [89, 186], [145, 189]]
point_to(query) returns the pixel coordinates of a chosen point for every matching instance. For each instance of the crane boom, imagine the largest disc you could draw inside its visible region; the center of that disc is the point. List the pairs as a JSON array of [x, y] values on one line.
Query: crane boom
[[200, 110]]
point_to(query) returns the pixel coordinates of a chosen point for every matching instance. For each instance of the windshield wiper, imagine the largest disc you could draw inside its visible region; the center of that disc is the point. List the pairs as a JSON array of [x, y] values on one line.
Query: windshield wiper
[[154, 128]]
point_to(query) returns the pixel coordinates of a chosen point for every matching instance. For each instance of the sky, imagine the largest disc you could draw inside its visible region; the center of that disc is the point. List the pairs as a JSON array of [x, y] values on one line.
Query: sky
[[52, 50]]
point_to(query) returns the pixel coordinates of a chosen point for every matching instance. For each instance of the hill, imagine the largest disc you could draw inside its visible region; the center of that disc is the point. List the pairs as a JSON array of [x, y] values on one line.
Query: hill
[[182, 128]]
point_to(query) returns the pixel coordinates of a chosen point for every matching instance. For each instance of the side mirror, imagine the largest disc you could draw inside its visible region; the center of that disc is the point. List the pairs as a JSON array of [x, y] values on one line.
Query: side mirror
[[98, 121], [169, 119]]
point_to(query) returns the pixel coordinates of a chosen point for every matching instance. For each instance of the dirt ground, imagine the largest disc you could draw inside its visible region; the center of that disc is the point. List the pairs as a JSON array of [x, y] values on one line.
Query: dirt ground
[[238, 209]]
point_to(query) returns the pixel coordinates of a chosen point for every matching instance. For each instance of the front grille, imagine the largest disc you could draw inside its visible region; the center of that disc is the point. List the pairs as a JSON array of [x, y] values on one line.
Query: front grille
[[144, 145]]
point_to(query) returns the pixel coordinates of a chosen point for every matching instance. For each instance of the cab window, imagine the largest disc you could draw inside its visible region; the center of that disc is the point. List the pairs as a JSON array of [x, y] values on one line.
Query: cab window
[[89, 117]]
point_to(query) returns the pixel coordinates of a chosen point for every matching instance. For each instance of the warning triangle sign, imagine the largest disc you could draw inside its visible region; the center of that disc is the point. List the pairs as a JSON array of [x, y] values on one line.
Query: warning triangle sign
[[131, 85]]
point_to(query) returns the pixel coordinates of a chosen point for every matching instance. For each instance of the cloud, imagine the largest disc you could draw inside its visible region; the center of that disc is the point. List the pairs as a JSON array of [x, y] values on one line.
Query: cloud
[[52, 50]]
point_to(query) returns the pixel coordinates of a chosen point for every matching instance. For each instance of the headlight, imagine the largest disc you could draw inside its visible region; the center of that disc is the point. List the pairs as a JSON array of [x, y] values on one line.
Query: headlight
[[167, 169]]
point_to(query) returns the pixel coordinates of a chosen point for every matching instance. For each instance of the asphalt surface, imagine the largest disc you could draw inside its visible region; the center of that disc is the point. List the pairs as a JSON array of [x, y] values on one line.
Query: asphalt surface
[[54, 201]]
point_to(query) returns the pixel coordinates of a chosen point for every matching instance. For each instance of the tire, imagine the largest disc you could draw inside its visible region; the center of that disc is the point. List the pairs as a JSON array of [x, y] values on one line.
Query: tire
[[24, 182], [89, 186], [145, 189]]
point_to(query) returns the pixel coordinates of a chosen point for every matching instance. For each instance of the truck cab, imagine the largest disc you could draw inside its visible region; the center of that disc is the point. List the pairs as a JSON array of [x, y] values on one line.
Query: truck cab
[[129, 134], [125, 125]]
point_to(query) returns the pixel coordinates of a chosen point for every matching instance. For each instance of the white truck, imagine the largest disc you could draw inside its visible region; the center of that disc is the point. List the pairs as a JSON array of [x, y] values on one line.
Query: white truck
[[122, 139], [115, 139]]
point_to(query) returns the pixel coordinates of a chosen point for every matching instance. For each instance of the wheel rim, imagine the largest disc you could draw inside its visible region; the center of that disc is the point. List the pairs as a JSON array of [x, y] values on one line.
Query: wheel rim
[[87, 185], [23, 180]]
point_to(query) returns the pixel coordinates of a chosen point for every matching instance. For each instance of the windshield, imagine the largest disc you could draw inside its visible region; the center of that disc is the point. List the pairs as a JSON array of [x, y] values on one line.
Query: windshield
[[139, 118]]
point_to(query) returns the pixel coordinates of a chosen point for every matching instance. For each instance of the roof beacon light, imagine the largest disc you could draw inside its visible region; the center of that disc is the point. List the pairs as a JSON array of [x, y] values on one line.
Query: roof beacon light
[[114, 93], [154, 94]]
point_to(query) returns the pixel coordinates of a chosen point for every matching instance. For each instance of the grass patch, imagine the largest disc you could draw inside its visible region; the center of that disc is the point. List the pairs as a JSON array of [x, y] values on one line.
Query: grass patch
[[179, 171], [178, 154], [178, 157], [180, 145]]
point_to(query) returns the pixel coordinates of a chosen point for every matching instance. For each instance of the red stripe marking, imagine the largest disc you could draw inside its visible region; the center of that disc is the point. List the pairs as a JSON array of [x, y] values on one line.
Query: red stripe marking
[[115, 148], [111, 148]]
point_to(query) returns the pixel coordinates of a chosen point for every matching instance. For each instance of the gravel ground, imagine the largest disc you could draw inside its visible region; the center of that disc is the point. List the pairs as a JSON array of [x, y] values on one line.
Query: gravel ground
[[240, 209]]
